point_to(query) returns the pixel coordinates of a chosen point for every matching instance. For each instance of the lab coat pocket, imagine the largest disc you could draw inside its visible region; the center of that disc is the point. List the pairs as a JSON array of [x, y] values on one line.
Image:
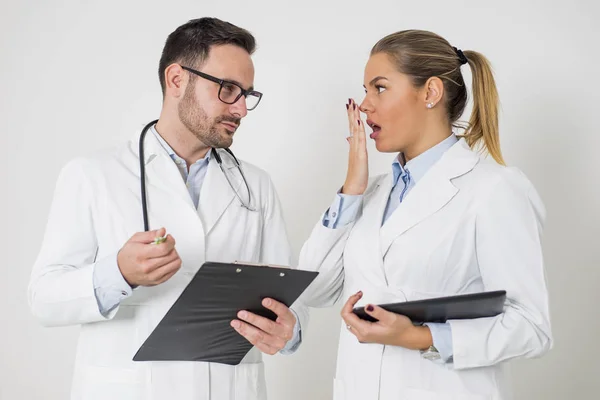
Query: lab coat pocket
[[250, 381], [107, 371], [100, 383], [118, 340]]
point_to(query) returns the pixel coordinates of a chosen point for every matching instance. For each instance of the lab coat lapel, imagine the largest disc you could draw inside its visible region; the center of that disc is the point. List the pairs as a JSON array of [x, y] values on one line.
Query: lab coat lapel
[[372, 215], [430, 194], [217, 194], [161, 171]]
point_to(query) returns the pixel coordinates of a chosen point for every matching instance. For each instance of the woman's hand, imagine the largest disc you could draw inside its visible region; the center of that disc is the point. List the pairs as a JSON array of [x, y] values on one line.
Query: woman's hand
[[390, 328], [357, 176]]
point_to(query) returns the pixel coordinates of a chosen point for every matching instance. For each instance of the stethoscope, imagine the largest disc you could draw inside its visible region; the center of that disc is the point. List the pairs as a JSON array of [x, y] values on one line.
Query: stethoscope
[[214, 153]]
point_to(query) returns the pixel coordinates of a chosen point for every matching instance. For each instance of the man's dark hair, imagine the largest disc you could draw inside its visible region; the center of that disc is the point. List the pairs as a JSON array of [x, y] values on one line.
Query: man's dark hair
[[190, 44]]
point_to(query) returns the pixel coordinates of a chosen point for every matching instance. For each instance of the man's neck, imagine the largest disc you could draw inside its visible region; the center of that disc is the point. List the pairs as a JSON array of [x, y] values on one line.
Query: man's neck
[[182, 141]]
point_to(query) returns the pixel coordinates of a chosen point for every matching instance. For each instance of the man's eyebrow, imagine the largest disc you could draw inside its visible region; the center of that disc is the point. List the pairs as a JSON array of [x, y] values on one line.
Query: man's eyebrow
[[251, 88]]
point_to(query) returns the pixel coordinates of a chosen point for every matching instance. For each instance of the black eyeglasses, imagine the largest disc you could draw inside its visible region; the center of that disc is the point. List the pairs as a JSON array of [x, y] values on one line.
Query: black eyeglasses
[[230, 92]]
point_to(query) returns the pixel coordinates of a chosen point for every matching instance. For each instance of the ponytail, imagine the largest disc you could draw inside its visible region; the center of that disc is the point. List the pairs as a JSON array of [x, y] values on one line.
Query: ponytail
[[483, 124]]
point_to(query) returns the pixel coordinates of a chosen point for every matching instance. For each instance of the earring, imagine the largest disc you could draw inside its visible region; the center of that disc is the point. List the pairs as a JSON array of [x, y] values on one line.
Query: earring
[[429, 105]]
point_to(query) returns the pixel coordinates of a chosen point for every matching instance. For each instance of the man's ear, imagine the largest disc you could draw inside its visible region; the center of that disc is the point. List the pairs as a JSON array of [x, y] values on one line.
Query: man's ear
[[175, 81]]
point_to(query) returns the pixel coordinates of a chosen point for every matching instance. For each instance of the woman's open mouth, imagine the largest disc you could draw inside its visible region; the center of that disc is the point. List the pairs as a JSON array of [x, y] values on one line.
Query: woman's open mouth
[[376, 129]]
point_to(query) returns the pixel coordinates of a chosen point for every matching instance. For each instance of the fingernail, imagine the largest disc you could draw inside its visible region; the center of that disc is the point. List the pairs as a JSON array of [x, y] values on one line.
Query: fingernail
[[267, 302], [370, 308], [347, 106], [359, 293], [359, 121], [235, 324], [349, 101], [354, 106], [243, 314]]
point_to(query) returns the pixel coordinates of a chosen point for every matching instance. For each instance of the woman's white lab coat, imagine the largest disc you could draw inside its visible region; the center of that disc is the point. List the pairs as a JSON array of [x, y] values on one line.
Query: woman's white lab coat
[[469, 225]]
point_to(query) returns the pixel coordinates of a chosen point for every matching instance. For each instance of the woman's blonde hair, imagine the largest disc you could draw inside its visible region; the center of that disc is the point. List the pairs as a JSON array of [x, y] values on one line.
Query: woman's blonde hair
[[422, 55]]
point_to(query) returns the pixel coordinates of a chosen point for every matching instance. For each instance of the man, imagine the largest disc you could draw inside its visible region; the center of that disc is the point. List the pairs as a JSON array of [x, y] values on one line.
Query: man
[[98, 268]]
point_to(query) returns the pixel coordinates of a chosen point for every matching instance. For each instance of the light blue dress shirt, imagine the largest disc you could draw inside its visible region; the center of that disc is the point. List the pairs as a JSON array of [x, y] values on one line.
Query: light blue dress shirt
[[111, 288], [197, 171], [344, 211]]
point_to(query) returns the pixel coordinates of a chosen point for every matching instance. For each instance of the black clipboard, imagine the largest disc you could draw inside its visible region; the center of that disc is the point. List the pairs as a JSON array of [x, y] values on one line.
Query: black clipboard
[[442, 309], [197, 326]]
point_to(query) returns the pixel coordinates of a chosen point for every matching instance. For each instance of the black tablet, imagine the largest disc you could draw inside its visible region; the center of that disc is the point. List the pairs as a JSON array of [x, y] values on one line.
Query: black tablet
[[441, 309]]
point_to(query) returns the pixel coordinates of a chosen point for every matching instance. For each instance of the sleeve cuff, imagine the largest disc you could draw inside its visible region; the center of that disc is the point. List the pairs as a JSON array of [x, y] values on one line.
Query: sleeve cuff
[[296, 340], [110, 287], [343, 211], [442, 340]]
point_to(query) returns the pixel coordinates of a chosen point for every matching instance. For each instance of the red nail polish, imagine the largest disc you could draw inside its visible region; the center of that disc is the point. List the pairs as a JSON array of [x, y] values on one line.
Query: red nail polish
[[370, 308], [354, 106], [347, 106], [359, 121]]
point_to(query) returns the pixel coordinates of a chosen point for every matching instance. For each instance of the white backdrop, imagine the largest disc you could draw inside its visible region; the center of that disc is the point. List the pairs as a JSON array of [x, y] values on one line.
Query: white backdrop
[[78, 76]]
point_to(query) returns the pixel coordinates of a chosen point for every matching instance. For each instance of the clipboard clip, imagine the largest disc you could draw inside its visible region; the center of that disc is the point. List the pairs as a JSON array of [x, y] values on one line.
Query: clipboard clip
[[260, 265], [238, 270]]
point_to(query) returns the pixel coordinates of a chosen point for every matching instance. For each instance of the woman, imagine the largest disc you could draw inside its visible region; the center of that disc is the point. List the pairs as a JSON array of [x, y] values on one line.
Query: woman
[[444, 221]]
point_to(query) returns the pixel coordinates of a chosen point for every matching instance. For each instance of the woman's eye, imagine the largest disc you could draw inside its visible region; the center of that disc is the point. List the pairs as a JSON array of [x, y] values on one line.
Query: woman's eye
[[380, 89]]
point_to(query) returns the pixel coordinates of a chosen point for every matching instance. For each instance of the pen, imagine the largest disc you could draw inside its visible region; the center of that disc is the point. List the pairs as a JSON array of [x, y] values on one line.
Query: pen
[[159, 239]]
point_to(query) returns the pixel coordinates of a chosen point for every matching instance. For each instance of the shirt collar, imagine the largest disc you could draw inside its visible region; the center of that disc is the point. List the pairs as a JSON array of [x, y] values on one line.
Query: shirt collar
[[419, 165], [170, 150]]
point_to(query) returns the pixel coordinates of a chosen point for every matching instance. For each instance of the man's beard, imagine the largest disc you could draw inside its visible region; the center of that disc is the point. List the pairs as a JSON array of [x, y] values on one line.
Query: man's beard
[[195, 119]]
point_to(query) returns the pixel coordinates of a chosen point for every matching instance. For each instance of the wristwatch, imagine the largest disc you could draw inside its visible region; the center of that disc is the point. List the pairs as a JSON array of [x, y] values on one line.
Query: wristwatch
[[431, 354]]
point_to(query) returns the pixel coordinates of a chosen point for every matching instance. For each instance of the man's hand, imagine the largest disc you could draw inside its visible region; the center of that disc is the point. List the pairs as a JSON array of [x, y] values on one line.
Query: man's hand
[[269, 336], [144, 263]]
